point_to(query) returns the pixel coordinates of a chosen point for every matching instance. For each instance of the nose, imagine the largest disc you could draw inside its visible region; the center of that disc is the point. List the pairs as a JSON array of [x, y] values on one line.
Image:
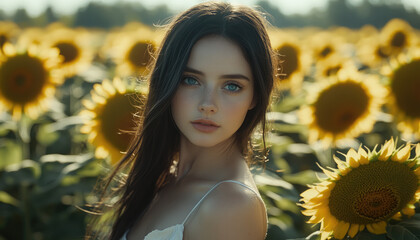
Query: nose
[[208, 104]]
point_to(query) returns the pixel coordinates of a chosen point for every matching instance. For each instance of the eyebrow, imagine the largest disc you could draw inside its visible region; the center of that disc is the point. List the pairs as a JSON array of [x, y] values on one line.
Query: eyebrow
[[228, 76]]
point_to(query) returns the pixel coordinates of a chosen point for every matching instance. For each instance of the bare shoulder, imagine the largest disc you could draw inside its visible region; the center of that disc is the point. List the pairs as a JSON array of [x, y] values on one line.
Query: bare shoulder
[[230, 211]]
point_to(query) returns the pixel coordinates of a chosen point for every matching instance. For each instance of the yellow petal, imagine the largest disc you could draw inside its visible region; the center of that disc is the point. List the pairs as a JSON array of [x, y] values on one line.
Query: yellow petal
[[107, 85], [330, 224], [310, 193], [418, 150], [364, 157], [315, 219], [98, 99], [387, 150], [417, 171], [101, 152], [352, 158], [100, 90], [85, 129], [17, 112], [341, 229], [88, 104], [8, 49], [409, 210], [325, 235], [403, 154], [318, 216], [119, 85], [377, 228], [309, 212], [345, 171], [353, 230], [397, 216], [331, 175], [340, 164]]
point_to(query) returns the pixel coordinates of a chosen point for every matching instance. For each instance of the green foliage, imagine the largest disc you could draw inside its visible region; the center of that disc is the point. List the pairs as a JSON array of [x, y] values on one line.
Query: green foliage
[[47, 174], [42, 196], [405, 230]]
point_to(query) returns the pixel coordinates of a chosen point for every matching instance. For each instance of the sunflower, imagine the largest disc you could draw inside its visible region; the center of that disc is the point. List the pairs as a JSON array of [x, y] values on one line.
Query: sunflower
[[371, 52], [294, 62], [31, 36], [368, 47], [110, 117], [131, 48], [366, 191], [397, 35], [404, 98], [331, 66], [342, 106], [74, 47], [28, 79], [324, 45]]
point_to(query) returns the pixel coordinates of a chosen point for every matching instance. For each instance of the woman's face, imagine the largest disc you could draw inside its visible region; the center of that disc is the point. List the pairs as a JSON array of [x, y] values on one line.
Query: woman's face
[[215, 93]]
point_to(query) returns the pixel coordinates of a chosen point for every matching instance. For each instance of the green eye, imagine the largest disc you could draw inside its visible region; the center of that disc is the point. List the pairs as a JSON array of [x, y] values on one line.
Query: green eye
[[232, 87], [190, 81]]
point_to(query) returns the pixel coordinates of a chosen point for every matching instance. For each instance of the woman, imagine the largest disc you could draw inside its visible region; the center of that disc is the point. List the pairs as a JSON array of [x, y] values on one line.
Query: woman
[[210, 86]]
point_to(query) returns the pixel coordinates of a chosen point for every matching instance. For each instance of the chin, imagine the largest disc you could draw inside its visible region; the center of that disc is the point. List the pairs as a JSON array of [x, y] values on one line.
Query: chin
[[208, 141]]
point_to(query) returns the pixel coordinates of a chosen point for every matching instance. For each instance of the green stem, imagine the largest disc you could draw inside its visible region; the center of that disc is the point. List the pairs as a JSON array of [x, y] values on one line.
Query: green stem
[[26, 212], [23, 136]]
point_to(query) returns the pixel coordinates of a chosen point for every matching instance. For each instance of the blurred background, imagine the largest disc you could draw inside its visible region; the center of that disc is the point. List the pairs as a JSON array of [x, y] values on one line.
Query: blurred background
[[71, 73], [299, 13]]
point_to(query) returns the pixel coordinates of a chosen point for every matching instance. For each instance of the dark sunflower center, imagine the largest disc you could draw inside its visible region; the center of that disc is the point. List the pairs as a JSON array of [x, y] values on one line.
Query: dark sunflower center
[[117, 117], [339, 106], [376, 204], [3, 40], [332, 70], [405, 87], [373, 192], [68, 50], [325, 51], [139, 55], [398, 40], [380, 52], [289, 57], [22, 79]]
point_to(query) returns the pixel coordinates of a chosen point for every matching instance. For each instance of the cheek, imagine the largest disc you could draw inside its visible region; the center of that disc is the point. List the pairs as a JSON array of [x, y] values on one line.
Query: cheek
[[237, 110], [180, 103]]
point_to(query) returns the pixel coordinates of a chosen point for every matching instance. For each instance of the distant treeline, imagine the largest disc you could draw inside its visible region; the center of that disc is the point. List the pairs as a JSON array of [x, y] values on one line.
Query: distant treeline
[[337, 13]]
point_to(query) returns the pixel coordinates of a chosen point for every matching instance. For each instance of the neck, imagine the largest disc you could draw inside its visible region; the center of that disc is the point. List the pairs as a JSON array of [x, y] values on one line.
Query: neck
[[207, 162]]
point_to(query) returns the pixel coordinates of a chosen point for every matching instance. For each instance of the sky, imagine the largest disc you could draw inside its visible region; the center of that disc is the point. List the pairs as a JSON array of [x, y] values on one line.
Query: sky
[[35, 7]]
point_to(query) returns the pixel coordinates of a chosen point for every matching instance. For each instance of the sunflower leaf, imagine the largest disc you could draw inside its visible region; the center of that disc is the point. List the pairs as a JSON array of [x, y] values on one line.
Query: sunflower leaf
[[7, 198], [399, 232], [303, 177], [412, 224], [10, 153]]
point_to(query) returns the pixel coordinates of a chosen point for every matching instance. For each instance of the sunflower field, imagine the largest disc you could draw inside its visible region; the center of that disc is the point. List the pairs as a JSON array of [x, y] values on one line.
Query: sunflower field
[[344, 139]]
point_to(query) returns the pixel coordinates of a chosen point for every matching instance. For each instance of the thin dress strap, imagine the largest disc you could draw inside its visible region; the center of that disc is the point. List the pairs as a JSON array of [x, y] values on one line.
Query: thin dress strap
[[209, 191]]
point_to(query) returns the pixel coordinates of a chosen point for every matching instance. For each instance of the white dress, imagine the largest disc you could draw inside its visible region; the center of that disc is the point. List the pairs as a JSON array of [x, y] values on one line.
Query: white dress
[[176, 232]]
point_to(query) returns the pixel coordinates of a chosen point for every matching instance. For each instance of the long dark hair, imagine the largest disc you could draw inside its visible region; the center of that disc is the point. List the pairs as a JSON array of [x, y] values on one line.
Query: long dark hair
[[156, 142]]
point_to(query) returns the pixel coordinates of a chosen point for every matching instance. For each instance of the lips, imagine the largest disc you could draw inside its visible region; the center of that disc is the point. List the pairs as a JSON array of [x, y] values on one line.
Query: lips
[[204, 125]]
